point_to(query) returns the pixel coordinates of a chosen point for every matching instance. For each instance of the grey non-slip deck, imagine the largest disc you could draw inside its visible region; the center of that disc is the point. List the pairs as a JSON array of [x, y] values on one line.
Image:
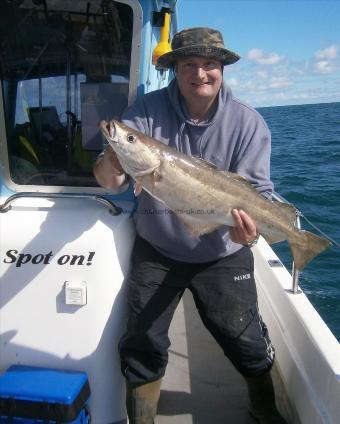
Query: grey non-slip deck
[[200, 385]]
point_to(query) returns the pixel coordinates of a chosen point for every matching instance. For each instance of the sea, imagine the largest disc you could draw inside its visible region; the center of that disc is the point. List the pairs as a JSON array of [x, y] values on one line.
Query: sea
[[305, 169]]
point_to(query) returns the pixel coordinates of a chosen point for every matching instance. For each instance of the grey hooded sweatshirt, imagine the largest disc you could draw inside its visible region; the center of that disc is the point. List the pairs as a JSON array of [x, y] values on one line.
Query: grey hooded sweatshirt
[[235, 139]]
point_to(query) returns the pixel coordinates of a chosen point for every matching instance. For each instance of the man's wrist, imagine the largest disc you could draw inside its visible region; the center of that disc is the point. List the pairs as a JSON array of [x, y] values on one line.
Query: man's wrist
[[253, 242]]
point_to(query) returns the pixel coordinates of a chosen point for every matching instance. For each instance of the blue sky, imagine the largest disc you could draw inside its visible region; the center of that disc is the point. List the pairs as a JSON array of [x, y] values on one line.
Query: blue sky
[[290, 49]]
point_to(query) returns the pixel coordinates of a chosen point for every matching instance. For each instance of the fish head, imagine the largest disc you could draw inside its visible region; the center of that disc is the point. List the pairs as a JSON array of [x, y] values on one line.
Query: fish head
[[133, 152]]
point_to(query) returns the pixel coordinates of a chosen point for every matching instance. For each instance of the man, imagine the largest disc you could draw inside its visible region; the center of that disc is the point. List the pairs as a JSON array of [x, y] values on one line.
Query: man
[[198, 115]]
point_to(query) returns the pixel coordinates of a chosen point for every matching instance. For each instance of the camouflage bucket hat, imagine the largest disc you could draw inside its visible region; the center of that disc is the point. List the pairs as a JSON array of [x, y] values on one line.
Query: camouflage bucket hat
[[204, 42]]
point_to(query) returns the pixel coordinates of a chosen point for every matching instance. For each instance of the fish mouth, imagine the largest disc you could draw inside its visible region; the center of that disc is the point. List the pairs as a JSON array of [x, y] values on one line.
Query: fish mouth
[[109, 130], [112, 131]]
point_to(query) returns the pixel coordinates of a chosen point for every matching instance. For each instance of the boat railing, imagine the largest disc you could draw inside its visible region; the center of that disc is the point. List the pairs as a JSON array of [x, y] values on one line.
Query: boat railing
[[113, 209], [295, 271]]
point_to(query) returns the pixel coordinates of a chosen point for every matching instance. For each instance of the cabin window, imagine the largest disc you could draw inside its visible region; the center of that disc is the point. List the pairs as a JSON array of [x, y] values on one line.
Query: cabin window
[[65, 65]]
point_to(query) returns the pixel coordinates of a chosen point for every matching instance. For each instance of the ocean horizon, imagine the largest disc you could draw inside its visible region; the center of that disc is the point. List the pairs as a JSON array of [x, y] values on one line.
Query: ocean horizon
[[296, 104]]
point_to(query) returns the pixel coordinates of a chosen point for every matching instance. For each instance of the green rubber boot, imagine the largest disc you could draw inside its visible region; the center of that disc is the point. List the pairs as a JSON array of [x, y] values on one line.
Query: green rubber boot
[[262, 400], [141, 402]]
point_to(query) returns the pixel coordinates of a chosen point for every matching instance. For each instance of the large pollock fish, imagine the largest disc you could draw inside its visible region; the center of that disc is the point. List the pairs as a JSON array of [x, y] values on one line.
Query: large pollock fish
[[185, 184]]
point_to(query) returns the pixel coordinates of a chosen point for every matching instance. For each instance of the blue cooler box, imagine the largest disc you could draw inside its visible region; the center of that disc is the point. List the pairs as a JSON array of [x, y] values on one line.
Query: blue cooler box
[[33, 394]]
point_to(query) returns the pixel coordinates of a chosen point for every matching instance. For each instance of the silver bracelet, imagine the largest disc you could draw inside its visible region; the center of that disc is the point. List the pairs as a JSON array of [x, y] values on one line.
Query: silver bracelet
[[252, 243]]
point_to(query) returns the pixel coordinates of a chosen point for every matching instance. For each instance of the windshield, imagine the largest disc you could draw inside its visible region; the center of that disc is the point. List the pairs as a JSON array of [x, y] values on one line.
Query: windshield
[[65, 65]]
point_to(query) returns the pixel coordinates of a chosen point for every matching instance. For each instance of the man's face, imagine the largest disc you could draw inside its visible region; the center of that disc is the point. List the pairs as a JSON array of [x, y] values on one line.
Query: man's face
[[199, 77]]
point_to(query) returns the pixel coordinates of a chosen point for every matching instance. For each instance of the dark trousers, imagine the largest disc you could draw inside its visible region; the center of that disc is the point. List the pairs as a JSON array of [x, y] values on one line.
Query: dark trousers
[[225, 295]]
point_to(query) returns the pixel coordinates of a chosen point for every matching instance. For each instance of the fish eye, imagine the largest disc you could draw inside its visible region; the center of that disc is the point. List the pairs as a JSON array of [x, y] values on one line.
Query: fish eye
[[131, 138]]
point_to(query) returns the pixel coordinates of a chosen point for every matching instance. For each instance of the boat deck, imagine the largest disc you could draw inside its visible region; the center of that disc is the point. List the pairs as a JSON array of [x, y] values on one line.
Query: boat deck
[[200, 386]]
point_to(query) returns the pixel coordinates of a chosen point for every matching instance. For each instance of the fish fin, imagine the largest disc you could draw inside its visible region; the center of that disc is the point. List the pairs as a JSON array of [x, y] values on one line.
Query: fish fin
[[204, 162], [157, 175], [233, 175], [137, 188], [307, 246], [239, 179], [153, 178], [197, 227]]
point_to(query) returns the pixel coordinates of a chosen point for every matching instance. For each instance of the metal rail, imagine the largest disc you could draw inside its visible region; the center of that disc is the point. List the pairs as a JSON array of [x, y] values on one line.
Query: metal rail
[[295, 271], [113, 209]]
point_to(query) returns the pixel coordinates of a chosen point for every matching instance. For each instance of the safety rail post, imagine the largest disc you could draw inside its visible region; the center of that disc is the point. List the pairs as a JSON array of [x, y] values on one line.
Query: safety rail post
[[295, 271]]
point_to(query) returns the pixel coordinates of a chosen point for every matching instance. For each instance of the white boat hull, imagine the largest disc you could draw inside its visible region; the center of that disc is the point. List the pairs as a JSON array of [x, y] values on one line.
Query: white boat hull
[[308, 354], [37, 326]]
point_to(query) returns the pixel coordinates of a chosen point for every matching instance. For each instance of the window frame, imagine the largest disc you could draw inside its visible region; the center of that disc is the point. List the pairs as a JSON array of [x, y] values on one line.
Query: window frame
[[132, 93]]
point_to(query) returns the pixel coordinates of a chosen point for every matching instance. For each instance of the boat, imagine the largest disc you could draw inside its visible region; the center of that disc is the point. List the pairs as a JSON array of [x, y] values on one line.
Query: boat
[[65, 243]]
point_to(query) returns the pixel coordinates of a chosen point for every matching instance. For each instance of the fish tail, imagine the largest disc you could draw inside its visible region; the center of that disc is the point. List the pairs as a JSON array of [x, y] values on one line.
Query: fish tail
[[306, 246]]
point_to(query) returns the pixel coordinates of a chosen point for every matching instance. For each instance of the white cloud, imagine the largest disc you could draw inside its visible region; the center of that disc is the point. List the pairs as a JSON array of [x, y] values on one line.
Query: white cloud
[[232, 82], [287, 81], [258, 56], [280, 82], [327, 53], [296, 96], [262, 74], [298, 71], [260, 82], [325, 61], [323, 67]]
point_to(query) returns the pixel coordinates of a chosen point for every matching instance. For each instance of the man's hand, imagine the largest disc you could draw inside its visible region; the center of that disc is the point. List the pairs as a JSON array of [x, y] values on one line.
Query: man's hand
[[111, 156], [108, 171], [245, 231]]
